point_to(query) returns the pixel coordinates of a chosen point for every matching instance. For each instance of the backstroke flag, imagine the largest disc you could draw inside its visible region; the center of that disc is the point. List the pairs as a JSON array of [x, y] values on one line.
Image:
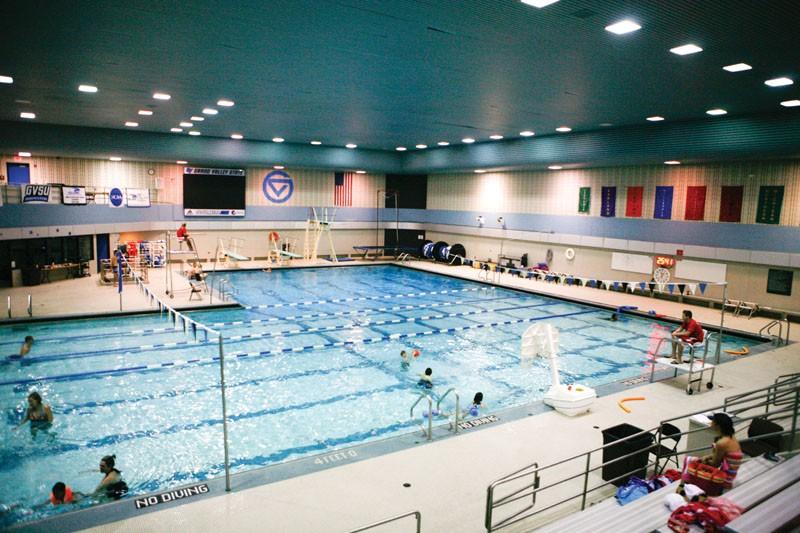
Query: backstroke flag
[[730, 205], [663, 207], [770, 201], [608, 206], [695, 203], [633, 204], [343, 189]]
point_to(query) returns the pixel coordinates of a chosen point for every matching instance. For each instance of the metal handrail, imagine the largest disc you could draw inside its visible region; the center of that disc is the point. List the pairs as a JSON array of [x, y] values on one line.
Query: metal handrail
[[739, 404], [429, 431], [416, 514], [30, 305], [458, 406]]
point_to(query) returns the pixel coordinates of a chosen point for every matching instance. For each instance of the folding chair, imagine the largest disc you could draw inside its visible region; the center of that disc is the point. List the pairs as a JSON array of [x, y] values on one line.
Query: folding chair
[[668, 433], [198, 288]]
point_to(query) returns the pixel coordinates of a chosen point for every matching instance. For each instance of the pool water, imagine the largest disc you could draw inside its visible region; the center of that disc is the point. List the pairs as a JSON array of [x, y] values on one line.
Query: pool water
[[312, 365]]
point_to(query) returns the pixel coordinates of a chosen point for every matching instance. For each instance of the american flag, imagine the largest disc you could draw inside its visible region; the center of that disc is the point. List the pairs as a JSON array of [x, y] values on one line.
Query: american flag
[[343, 189]]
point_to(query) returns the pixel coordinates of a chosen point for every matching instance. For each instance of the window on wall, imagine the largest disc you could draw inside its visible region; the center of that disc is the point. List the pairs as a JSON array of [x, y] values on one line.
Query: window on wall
[[779, 282]]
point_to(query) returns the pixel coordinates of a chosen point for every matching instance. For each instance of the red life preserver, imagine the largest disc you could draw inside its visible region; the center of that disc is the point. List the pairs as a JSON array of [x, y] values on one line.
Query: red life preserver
[[67, 497], [273, 236]]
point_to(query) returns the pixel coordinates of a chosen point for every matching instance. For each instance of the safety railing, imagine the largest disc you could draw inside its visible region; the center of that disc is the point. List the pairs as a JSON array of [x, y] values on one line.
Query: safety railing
[[457, 415], [181, 321], [581, 470], [429, 430], [29, 308], [416, 514], [766, 331]]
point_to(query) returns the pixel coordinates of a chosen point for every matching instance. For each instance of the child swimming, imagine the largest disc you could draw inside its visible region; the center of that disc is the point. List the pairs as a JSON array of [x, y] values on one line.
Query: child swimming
[[406, 360], [426, 379]]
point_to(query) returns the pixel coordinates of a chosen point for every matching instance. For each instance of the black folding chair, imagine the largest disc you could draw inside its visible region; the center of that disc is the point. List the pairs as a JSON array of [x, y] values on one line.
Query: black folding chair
[[669, 433]]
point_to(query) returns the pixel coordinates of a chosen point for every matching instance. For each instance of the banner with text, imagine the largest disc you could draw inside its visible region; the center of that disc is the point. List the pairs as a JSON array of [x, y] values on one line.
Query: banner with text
[[35, 194], [730, 207], [608, 206], [73, 195], [663, 208], [695, 203], [633, 203], [138, 197], [584, 199], [770, 201]]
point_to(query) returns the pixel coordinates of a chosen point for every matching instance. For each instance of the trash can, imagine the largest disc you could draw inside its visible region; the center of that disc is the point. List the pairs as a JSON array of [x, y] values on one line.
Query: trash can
[[636, 464]]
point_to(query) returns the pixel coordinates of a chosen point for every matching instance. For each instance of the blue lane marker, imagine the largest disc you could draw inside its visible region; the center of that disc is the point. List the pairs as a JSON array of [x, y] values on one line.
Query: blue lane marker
[[267, 353]]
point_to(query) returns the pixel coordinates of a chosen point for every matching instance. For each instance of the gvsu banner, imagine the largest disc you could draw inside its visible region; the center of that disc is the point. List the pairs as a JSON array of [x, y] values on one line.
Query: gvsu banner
[[35, 194]]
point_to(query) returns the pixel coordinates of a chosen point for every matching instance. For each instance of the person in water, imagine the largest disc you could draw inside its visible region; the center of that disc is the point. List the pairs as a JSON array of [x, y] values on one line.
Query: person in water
[[62, 494], [426, 379], [406, 360], [477, 403], [38, 414], [112, 486], [26, 346]]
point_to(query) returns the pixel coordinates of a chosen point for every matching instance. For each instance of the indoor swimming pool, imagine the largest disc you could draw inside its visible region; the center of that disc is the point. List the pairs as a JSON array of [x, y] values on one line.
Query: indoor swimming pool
[[312, 366]]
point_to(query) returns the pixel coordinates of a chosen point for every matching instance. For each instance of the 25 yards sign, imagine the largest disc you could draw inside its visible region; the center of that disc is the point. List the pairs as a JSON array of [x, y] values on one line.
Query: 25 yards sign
[[278, 187]]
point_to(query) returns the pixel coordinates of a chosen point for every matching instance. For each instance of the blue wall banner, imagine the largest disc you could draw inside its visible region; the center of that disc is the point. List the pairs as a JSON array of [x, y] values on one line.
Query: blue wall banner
[[663, 207], [35, 194], [278, 186], [609, 202], [116, 198]]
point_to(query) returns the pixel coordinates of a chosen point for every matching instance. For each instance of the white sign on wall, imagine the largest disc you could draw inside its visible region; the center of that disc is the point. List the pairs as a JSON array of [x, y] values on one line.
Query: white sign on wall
[[73, 195], [641, 264], [701, 271], [138, 197]]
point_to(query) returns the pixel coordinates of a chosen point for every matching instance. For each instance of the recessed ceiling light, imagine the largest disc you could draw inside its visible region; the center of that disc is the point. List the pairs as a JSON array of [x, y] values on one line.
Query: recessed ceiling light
[[606, 124], [198, 119], [480, 171], [778, 82], [351, 146], [527, 133], [655, 118], [686, 49], [278, 167], [672, 162], [237, 136], [145, 112], [278, 139], [738, 67], [24, 154], [495, 137], [194, 132], [401, 148], [557, 167], [539, 3], [421, 146], [176, 130], [361, 171], [87, 88], [182, 162], [623, 26], [790, 103], [316, 143], [115, 158], [132, 124], [210, 111], [161, 96], [6, 79], [467, 140], [563, 129], [186, 124], [27, 115], [443, 143], [716, 112], [225, 103]]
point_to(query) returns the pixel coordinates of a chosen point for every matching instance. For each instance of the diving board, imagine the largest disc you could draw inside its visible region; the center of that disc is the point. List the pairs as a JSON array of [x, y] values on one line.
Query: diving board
[[397, 249], [231, 252]]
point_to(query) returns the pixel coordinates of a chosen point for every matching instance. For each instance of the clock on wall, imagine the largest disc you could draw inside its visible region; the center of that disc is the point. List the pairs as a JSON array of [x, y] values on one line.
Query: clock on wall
[[151, 171]]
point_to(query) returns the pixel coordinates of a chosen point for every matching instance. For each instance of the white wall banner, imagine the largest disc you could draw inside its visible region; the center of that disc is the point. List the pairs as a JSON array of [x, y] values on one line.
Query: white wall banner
[[138, 197], [35, 194], [73, 195]]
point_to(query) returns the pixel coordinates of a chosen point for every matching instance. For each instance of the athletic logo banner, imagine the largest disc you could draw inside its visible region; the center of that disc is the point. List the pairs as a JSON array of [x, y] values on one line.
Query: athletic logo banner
[[770, 201], [584, 199], [608, 207], [663, 208]]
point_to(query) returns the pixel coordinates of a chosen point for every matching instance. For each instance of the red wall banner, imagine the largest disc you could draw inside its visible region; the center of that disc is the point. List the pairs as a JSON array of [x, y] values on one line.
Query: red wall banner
[[730, 209], [695, 203], [633, 204]]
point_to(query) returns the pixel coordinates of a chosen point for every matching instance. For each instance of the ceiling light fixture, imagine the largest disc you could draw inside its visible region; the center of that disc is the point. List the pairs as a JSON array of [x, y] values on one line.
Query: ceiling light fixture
[[606, 124], [6, 79], [161, 96], [316, 143], [182, 162], [87, 88], [716, 112], [225, 103], [779, 82], [278, 139], [351, 146], [26, 114], [24, 154], [176, 130], [145, 112], [539, 3], [210, 111], [686, 49], [198, 119], [790, 103], [132, 124], [421, 146], [115, 158], [401, 148], [738, 67], [563, 129], [555, 167], [467, 140], [186, 124], [237, 136], [672, 162], [480, 171], [443, 143], [495, 137], [623, 26], [194, 132], [527, 133], [361, 171], [655, 118], [278, 167]]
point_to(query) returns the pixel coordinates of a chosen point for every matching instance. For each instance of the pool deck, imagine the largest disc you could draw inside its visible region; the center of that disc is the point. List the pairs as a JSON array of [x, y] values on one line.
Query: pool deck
[[448, 477]]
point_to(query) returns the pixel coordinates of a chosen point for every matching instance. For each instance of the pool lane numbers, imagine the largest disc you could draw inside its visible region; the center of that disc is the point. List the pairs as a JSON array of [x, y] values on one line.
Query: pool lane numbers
[[475, 422], [345, 455], [277, 187], [171, 496]]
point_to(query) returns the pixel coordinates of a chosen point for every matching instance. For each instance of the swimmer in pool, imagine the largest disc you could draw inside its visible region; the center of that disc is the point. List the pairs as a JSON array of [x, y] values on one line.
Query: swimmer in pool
[[112, 485], [426, 379], [406, 360], [38, 414], [26, 346], [477, 403]]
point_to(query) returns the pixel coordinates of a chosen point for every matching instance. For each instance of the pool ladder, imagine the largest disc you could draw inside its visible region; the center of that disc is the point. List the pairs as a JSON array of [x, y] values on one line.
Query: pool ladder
[[428, 432], [776, 339], [30, 306], [457, 415]]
